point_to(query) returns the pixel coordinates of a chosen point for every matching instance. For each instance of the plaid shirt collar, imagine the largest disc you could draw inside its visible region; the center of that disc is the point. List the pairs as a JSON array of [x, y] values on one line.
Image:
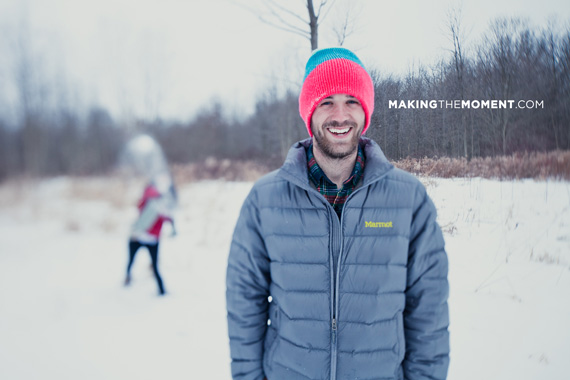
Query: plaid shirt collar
[[335, 196]]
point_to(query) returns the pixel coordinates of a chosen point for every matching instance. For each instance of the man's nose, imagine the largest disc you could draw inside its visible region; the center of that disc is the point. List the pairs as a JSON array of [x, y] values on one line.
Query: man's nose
[[340, 112]]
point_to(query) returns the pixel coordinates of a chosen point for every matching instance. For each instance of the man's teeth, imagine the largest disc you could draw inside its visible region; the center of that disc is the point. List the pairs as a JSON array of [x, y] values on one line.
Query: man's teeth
[[339, 131]]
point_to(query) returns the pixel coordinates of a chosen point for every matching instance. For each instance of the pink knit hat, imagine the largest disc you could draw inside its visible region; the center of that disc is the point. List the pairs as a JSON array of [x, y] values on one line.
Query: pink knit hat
[[335, 71]]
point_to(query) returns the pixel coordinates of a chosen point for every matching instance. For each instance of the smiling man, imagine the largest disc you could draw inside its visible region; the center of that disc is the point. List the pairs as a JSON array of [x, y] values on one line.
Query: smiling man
[[337, 268]]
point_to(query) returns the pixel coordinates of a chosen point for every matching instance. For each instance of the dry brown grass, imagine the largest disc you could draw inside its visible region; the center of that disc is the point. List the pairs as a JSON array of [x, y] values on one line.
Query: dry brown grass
[[554, 164], [15, 191], [114, 189], [213, 168]]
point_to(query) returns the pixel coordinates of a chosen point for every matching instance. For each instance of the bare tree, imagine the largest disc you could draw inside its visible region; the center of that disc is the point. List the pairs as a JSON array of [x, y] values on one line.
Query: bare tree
[[564, 57], [286, 18], [457, 34], [497, 59], [550, 53], [346, 24], [30, 87]]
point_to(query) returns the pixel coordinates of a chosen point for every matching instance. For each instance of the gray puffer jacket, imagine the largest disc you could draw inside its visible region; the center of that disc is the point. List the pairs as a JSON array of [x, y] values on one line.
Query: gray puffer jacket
[[310, 296]]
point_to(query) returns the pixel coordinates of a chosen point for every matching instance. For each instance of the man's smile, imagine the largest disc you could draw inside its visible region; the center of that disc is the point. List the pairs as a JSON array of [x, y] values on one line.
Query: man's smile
[[340, 131]]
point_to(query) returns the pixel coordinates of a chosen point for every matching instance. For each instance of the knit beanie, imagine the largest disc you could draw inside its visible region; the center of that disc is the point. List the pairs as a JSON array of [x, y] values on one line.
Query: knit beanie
[[335, 71]]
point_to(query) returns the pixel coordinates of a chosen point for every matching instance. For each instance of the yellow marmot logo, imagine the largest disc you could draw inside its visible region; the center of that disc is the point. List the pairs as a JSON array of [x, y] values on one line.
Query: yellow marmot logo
[[378, 224]]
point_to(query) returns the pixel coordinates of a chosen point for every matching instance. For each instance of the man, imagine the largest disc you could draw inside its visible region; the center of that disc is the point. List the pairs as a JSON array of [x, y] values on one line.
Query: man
[[337, 268]]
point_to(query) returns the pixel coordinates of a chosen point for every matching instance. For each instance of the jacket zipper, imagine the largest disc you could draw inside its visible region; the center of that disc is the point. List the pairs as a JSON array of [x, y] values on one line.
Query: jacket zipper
[[334, 350], [335, 276], [336, 284], [335, 281], [334, 271]]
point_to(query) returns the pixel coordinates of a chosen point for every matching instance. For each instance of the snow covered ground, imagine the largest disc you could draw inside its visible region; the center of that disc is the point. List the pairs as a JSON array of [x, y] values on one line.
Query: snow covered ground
[[64, 313]]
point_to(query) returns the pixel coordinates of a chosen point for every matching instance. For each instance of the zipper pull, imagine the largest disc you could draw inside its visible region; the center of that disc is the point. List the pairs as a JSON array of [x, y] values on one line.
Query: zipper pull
[[334, 324]]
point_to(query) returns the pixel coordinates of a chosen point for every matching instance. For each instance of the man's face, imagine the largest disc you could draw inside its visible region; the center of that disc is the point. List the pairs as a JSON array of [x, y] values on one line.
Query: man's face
[[337, 124]]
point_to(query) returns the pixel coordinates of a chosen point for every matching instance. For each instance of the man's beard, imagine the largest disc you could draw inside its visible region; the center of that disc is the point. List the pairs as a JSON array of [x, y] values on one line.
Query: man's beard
[[328, 147]]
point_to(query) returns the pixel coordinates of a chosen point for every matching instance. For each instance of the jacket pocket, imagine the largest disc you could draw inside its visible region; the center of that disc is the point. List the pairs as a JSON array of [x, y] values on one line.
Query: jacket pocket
[[269, 347], [401, 350]]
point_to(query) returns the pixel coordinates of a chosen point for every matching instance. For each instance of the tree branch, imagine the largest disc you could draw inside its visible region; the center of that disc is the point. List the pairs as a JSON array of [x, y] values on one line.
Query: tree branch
[[287, 25], [321, 6], [287, 28], [282, 8]]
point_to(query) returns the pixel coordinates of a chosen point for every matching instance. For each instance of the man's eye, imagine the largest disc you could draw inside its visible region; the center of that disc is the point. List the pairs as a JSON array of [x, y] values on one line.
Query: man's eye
[[326, 103], [352, 101]]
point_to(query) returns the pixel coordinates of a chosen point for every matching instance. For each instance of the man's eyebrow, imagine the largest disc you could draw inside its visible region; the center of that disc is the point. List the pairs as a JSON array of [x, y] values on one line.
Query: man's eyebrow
[[332, 96]]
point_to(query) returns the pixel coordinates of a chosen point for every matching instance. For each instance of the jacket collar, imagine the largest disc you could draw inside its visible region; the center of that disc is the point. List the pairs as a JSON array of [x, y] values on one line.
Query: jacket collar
[[294, 168]]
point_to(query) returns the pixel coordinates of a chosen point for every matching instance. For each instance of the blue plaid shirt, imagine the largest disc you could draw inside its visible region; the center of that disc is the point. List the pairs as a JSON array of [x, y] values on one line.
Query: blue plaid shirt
[[335, 196]]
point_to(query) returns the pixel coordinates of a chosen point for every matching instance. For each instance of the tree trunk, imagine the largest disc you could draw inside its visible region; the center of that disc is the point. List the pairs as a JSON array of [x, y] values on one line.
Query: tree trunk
[[314, 25]]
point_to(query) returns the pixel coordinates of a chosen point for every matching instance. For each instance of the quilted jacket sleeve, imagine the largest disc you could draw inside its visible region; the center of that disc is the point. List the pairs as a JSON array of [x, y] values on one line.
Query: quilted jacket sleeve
[[247, 289], [426, 316]]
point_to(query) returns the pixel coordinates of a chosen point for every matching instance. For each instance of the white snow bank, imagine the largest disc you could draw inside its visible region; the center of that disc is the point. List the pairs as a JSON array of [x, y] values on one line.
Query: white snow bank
[[64, 313]]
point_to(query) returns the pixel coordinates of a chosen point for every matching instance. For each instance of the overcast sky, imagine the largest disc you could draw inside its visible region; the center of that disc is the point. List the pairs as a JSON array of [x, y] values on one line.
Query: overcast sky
[[172, 57]]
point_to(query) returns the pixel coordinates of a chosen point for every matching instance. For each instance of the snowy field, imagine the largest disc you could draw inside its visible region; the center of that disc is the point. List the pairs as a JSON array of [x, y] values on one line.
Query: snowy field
[[65, 314]]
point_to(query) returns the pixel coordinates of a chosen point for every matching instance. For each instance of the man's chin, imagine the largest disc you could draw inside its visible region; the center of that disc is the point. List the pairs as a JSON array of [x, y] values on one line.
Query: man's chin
[[335, 148], [337, 152]]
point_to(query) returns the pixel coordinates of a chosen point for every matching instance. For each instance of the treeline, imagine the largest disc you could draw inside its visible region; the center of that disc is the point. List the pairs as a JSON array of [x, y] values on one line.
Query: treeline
[[512, 63]]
